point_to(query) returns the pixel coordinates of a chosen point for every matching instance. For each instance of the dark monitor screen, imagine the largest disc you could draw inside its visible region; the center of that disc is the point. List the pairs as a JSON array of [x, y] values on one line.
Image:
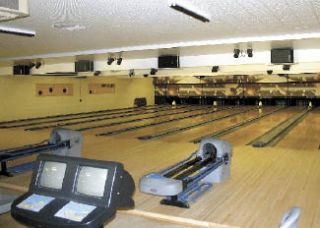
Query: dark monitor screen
[[52, 174], [91, 181], [168, 61], [282, 56], [84, 66]]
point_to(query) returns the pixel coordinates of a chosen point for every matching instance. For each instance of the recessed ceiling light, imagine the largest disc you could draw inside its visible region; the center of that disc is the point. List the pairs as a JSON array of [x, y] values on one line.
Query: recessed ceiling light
[[69, 26]]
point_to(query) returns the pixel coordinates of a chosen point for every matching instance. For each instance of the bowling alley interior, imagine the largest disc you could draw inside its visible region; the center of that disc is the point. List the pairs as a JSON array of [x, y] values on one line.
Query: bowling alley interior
[[160, 113]]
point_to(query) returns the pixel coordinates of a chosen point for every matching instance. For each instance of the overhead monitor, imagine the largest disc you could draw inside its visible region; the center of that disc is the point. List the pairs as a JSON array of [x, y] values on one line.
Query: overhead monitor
[[168, 61], [84, 66], [282, 55]]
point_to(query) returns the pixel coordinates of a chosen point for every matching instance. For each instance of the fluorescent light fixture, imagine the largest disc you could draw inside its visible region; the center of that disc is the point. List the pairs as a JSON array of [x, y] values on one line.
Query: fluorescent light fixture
[[189, 9], [17, 31]]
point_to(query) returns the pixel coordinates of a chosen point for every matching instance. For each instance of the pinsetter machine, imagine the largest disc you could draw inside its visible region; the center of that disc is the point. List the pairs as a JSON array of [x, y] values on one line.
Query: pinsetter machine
[[185, 181], [63, 142]]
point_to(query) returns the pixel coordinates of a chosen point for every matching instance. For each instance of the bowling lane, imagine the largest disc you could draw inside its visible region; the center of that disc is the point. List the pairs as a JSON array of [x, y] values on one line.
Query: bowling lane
[[97, 118], [10, 136], [250, 132], [84, 115], [17, 137], [188, 135], [179, 123], [258, 184], [305, 136], [142, 119]]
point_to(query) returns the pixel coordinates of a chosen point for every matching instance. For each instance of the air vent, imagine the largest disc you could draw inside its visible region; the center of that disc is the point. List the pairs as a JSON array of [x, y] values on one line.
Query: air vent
[[13, 9]]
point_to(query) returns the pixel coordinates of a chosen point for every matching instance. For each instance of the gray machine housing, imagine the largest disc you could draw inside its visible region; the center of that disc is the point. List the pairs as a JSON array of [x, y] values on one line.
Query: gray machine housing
[[291, 218], [75, 142], [160, 186], [222, 147], [6, 199], [156, 184], [58, 135]]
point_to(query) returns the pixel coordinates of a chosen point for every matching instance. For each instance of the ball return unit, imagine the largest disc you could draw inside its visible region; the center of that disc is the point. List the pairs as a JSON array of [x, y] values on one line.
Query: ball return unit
[[185, 181], [63, 142]]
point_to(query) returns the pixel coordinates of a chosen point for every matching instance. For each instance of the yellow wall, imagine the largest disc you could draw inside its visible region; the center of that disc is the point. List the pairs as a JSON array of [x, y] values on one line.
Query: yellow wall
[[18, 96], [5, 70]]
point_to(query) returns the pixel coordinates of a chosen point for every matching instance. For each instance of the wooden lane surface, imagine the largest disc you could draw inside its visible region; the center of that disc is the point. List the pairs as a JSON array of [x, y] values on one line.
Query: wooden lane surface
[[188, 135], [170, 125], [264, 182], [134, 113], [153, 205], [120, 153], [305, 136], [110, 111], [98, 120], [252, 131], [13, 138], [263, 185], [173, 114]]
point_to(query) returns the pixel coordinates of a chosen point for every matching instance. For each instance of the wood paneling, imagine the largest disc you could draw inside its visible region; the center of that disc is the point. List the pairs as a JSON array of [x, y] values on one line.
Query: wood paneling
[[58, 89], [101, 88]]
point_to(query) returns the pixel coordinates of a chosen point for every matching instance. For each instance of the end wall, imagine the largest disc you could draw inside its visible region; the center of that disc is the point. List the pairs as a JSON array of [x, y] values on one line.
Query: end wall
[[19, 99]]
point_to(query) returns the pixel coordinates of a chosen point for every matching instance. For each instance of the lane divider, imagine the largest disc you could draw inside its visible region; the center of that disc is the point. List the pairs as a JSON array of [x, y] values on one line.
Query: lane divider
[[235, 127], [156, 123], [99, 119], [188, 127], [276, 134]]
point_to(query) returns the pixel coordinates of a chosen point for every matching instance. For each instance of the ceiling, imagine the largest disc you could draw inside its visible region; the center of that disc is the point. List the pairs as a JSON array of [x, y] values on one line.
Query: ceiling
[[126, 25]]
